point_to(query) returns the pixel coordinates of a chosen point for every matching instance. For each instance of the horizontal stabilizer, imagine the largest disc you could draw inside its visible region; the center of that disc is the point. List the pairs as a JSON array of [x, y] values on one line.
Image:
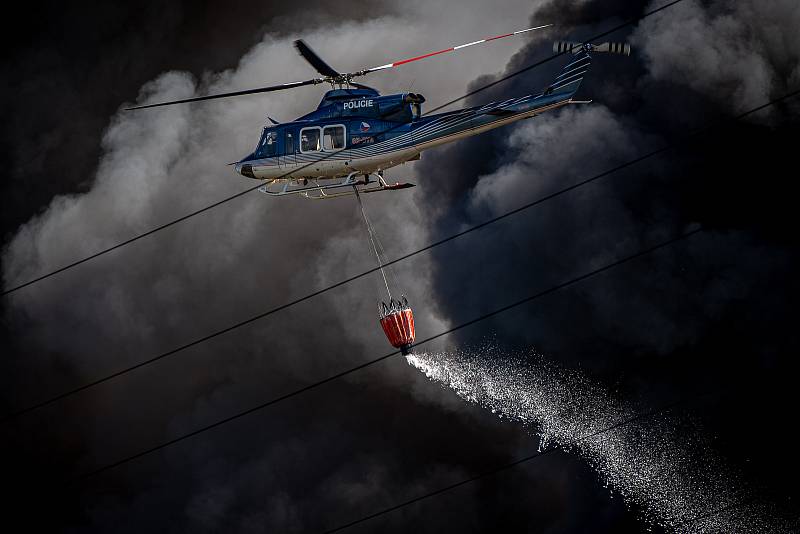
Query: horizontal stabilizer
[[389, 187], [611, 48]]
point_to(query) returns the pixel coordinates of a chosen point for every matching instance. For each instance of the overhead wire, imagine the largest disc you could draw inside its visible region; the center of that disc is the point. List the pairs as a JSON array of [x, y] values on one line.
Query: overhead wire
[[386, 264], [364, 365], [199, 211]]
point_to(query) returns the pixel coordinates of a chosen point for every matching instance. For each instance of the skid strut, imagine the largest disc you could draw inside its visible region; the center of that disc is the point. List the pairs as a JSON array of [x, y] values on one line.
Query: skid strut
[[315, 189]]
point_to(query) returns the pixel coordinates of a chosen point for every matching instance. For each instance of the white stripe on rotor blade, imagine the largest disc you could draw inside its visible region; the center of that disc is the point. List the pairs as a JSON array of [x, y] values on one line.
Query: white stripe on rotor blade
[[531, 29], [469, 44]]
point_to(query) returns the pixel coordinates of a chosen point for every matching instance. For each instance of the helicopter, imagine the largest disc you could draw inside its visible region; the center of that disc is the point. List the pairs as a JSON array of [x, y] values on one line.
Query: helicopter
[[356, 133]]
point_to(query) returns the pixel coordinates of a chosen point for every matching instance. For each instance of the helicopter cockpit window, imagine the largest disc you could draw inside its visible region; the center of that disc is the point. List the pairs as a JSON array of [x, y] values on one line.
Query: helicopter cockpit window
[[310, 140], [268, 146], [333, 137]]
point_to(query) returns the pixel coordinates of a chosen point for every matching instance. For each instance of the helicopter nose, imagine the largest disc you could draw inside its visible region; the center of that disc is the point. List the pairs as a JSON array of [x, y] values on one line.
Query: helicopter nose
[[245, 169]]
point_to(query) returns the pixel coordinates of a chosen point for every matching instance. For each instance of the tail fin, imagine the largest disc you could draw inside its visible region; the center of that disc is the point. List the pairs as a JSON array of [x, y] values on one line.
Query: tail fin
[[571, 76]]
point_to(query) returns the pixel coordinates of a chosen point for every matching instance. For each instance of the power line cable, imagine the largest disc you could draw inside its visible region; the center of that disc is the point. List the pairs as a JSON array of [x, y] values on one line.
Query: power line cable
[[500, 468], [369, 363], [430, 246], [326, 156]]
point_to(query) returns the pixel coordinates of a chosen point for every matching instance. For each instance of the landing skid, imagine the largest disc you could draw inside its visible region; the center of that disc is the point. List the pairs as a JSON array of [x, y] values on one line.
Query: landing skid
[[313, 189]]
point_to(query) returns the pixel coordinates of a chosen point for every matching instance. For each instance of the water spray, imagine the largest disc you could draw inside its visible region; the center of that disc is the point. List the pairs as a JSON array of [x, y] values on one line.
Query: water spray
[[664, 465]]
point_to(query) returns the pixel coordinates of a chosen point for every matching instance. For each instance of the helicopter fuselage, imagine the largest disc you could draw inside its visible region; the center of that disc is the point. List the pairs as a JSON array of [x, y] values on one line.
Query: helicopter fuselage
[[360, 131]]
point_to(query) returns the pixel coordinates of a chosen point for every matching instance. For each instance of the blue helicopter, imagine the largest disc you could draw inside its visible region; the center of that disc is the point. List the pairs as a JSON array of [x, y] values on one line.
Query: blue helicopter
[[356, 133]]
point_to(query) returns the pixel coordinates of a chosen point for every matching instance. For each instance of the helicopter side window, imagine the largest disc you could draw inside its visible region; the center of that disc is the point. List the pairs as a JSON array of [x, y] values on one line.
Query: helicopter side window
[[333, 137], [310, 140]]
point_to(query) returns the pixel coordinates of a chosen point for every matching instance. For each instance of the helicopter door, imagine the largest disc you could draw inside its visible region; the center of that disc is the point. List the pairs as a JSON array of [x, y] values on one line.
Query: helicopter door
[[289, 149], [334, 141]]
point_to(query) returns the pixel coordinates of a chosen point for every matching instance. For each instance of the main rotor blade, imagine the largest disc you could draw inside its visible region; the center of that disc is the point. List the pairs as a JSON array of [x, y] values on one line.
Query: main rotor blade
[[316, 61], [452, 49], [235, 93]]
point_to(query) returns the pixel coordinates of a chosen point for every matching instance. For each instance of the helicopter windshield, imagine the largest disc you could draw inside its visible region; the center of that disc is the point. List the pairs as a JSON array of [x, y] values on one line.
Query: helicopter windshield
[[268, 146]]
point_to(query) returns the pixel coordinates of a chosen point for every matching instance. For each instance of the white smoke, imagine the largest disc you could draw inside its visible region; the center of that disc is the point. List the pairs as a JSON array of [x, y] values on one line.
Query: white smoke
[[232, 262], [161, 163], [739, 53]]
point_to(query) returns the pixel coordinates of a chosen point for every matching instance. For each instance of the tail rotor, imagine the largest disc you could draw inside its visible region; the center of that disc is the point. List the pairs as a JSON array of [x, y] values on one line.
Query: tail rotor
[[560, 47]]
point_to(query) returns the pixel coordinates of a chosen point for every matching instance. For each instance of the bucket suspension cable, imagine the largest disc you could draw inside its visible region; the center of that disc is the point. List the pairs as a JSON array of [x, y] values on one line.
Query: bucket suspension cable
[[391, 275], [396, 318], [372, 240]]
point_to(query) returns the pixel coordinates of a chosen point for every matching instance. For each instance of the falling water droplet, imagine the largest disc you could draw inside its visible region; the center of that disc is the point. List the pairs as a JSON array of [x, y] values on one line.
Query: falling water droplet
[[663, 464]]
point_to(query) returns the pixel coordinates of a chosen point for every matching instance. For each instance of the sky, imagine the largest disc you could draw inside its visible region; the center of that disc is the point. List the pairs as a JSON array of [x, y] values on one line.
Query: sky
[[708, 318]]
